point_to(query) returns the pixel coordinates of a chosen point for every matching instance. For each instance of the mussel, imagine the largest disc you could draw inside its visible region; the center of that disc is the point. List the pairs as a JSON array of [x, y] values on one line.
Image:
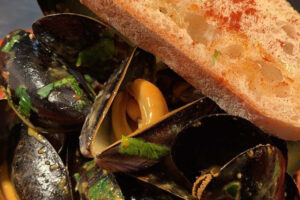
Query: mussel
[[225, 153], [38, 70], [37, 170], [149, 133], [38, 89]]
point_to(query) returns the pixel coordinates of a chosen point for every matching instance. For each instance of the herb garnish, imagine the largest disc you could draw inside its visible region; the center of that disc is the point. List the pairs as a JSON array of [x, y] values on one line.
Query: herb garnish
[[137, 147], [104, 189], [45, 91], [215, 56], [88, 78], [24, 101], [11, 43], [100, 52]]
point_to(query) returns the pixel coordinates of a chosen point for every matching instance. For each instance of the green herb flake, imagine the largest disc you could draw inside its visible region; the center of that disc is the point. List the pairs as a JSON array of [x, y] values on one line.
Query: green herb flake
[[99, 53], [79, 104], [89, 165], [88, 78], [90, 174], [215, 56], [11, 43], [137, 147], [77, 177], [45, 91], [24, 101], [233, 189], [76, 88], [105, 189]]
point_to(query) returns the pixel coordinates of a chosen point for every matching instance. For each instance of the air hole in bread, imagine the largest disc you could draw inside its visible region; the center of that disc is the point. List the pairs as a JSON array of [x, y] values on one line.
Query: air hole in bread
[[270, 72], [199, 30], [233, 51], [288, 48], [290, 30]]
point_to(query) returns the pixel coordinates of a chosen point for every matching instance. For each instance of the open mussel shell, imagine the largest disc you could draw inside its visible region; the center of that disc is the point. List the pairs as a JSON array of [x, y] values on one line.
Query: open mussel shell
[[31, 68], [37, 170], [223, 150], [83, 43], [258, 173], [64, 6], [161, 133], [101, 107], [213, 143]]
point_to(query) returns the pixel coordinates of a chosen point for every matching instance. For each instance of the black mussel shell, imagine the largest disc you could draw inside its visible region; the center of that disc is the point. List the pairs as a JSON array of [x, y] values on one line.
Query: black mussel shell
[[210, 154], [37, 170], [258, 173], [213, 143], [135, 189], [101, 107], [57, 140], [83, 43], [64, 6], [162, 133], [164, 176], [74, 160], [31, 67], [97, 125], [291, 189], [94, 183]]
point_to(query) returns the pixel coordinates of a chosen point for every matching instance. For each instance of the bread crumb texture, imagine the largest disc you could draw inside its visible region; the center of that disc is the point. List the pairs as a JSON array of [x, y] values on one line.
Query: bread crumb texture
[[250, 48]]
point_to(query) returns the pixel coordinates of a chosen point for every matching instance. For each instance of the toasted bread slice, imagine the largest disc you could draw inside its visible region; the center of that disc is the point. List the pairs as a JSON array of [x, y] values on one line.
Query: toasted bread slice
[[244, 54]]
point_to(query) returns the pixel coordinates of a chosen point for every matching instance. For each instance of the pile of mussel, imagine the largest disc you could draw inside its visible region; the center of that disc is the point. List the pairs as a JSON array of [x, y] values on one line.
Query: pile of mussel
[[87, 115]]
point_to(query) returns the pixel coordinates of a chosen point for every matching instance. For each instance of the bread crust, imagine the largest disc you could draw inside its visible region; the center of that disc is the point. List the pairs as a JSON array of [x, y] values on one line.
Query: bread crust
[[145, 35]]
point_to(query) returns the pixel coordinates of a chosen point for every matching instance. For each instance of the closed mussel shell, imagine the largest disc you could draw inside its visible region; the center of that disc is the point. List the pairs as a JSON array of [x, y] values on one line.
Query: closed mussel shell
[[83, 43], [224, 153], [37, 170], [39, 88]]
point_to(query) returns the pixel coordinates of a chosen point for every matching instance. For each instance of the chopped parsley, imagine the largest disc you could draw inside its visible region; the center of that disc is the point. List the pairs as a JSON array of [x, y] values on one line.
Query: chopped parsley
[[100, 52], [89, 165], [80, 102], [24, 101], [45, 91], [105, 189], [77, 177], [137, 147], [215, 56], [11, 43], [88, 78]]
